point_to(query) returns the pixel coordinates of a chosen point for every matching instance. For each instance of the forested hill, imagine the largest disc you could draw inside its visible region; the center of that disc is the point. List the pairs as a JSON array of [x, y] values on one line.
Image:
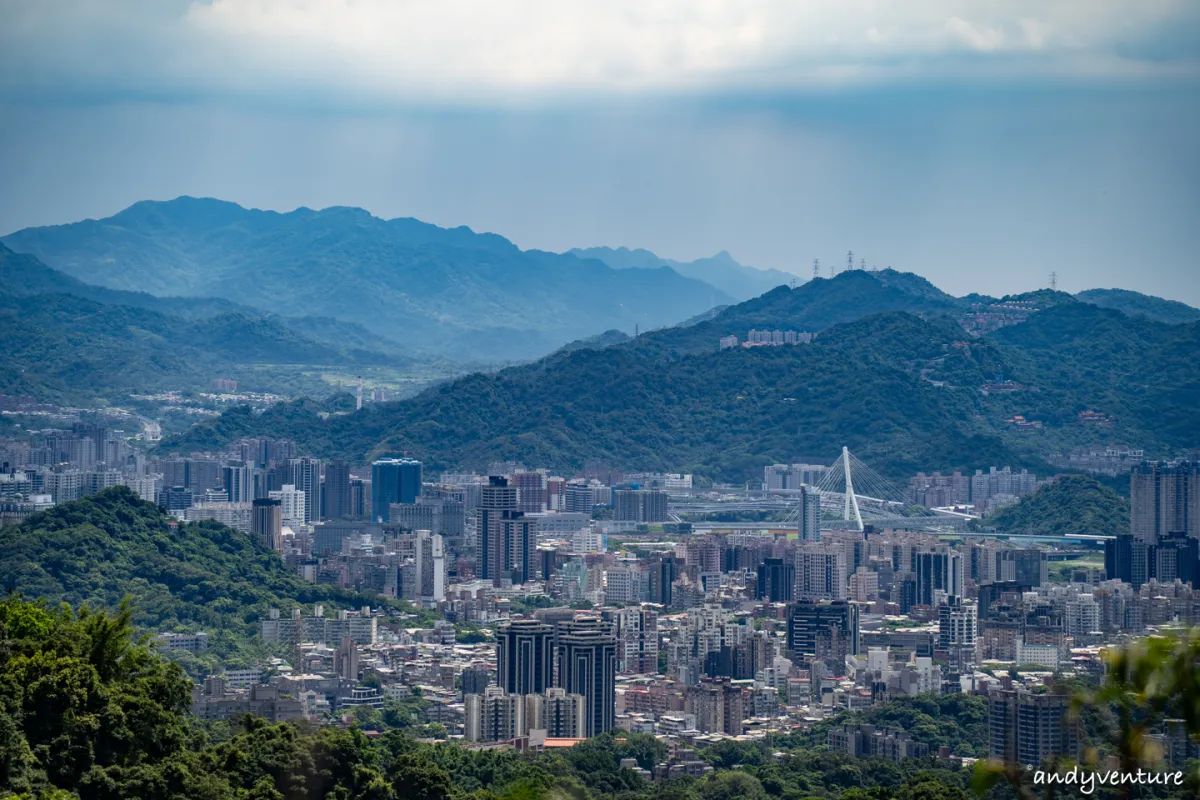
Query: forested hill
[[905, 393], [111, 545], [23, 275], [812, 306], [66, 341], [1135, 304], [721, 414], [66, 348], [1071, 504], [1142, 376]]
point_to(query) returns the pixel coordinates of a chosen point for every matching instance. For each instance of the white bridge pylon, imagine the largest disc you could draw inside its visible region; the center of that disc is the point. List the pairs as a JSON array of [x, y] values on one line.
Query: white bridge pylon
[[851, 500], [859, 491]]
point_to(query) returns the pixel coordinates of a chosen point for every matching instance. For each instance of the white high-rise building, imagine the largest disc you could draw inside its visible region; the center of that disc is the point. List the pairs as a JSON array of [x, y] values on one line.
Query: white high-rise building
[[864, 585], [622, 584], [235, 515], [958, 624], [1042, 655], [588, 540], [65, 486], [494, 716], [144, 487], [958, 628], [238, 482], [292, 502], [306, 476], [1082, 615], [430, 567]]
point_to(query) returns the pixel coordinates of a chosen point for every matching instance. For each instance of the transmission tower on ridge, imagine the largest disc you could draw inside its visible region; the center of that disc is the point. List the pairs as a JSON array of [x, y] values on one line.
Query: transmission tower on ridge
[[850, 259], [1054, 281], [816, 268]]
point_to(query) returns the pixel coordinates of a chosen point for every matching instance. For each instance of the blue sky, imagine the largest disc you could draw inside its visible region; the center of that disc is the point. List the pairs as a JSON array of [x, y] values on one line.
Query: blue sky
[[981, 144]]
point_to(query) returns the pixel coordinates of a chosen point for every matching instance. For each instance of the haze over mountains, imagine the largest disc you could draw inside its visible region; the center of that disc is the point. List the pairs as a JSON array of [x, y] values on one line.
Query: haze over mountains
[[344, 277], [892, 374], [72, 342], [722, 270], [234, 289], [438, 291]]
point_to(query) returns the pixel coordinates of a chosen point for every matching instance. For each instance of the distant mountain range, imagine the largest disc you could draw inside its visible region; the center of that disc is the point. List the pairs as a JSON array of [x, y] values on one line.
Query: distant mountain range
[[446, 292], [67, 341], [891, 374], [721, 271], [231, 288], [22, 274]]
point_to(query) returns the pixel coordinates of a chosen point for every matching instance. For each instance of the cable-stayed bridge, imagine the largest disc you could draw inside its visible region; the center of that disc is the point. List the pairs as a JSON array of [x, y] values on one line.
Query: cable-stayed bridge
[[852, 495]]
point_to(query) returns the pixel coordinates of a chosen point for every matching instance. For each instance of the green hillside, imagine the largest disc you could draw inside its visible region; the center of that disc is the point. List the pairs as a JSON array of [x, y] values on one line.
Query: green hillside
[[111, 545], [813, 306], [23, 275], [903, 392], [1073, 504], [1144, 376], [69, 346], [1136, 304], [721, 414], [597, 342]]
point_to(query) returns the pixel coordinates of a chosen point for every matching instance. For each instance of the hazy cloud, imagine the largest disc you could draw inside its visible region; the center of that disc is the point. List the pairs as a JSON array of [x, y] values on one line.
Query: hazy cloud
[[464, 50], [982, 144]]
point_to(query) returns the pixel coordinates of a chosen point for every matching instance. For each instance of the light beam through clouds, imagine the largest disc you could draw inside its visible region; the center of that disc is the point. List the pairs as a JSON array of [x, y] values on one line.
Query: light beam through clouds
[[520, 51]]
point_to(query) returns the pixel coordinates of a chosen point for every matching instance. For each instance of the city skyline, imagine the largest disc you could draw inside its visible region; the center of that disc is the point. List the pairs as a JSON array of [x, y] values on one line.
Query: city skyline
[[357, 501]]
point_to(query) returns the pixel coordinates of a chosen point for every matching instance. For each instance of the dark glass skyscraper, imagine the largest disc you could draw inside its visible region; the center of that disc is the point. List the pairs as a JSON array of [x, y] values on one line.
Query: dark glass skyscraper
[[1134, 561], [662, 580], [337, 490], [587, 664], [822, 629], [523, 653], [776, 581], [393, 480]]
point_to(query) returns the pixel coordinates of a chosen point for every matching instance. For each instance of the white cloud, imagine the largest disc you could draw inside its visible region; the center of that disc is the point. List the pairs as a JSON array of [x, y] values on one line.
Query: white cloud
[[985, 39], [1036, 33], [506, 49]]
